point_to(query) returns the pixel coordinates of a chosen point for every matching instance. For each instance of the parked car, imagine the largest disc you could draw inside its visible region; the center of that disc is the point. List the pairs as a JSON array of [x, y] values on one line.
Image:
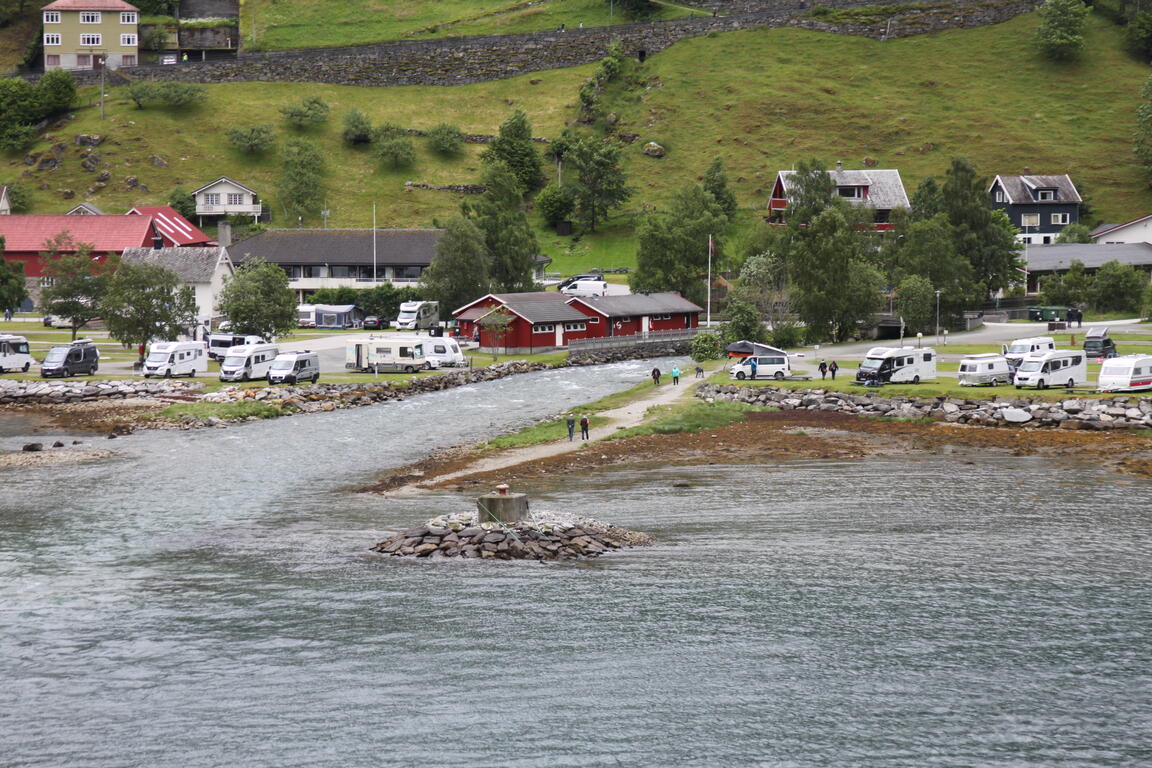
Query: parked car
[[80, 356], [375, 323], [1098, 345]]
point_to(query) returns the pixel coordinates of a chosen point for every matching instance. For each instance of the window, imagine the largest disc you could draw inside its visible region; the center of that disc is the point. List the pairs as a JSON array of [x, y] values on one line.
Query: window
[[543, 328], [91, 40], [1046, 194], [127, 41], [52, 60], [1029, 219], [90, 17], [128, 60], [52, 39], [594, 321], [341, 271], [84, 60], [849, 192], [47, 282], [1059, 218], [128, 17], [235, 198], [51, 17], [574, 326], [998, 195], [211, 198]]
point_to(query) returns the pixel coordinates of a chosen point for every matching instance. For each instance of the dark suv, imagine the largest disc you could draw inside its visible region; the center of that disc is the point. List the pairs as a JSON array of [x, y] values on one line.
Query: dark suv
[[1098, 346], [80, 356], [375, 323]]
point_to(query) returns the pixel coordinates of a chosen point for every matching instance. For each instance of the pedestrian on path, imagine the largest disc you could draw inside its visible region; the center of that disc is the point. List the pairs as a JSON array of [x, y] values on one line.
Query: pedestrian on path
[[699, 371], [656, 377], [583, 427], [823, 369], [752, 365], [571, 426], [832, 368], [675, 376]]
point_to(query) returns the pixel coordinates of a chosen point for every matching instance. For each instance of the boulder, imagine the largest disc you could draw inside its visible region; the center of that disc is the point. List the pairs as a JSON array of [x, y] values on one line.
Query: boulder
[[652, 149], [1016, 415]]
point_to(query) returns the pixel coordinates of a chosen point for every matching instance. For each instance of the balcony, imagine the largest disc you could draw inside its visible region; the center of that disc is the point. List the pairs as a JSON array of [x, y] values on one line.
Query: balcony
[[228, 210]]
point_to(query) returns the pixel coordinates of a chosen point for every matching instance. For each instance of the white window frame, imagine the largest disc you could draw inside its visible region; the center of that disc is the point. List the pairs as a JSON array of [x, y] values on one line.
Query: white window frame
[[1061, 218], [577, 326], [235, 198], [128, 17], [594, 320], [1029, 220], [998, 195], [1045, 194], [127, 41], [89, 17], [91, 39], [51, 17], [51, 38], [211, 198], [543, 328]]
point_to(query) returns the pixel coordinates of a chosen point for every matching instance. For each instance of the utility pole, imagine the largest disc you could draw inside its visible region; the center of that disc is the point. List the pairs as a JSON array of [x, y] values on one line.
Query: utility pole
[[937, 318], [708, 320], [373, 243]]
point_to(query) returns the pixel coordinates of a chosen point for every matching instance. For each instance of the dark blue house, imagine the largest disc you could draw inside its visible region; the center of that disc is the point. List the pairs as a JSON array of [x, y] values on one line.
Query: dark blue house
[[1039, 206]]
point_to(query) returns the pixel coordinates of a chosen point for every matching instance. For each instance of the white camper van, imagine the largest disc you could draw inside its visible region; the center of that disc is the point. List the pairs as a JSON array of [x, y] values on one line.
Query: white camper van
[[1014, 353], [294, 367], [14, 354], [586, 288], [1127, 373], [247, 362], [984, 370], [897, 365], [1056, 367], [418, 315], [220, 343], [774, 365], [384, 354], [176, 358]]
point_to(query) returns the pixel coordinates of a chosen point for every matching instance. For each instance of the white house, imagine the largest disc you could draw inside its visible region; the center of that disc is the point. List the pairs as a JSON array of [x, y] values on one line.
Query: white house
[[225, 197], [5, 202], [204, 269], [1135, 231]]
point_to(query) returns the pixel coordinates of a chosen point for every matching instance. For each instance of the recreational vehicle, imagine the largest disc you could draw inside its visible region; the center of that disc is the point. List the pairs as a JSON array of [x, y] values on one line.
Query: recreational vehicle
[[220, 343], [774, 365], [1059, 367], [248, 361], [897, 365], [1126, 373], [294, 367], [418, 315], [1016, 351], [81, 356], [382, 355], [176, 358], [444, 352], [984, 370], [14, 354]]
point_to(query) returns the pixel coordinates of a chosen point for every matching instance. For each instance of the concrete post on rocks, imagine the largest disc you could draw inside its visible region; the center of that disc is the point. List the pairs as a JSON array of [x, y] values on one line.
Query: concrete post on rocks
[[501, 506]]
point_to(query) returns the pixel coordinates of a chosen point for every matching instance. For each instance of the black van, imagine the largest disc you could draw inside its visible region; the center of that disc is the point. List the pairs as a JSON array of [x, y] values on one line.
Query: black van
[[80, 356]]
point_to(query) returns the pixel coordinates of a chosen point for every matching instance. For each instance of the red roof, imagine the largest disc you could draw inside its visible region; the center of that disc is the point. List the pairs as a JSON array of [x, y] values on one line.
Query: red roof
[[89, 5], [106, 234], [176, 229]]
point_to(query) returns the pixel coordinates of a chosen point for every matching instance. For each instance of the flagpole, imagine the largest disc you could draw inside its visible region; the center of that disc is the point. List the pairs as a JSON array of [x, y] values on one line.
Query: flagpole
[[373, 243], [708, 321]]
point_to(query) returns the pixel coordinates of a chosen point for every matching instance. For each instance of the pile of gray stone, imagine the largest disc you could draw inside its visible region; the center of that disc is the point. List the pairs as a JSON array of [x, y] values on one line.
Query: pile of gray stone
[[541, 537], [43, 392], [1119, 412]]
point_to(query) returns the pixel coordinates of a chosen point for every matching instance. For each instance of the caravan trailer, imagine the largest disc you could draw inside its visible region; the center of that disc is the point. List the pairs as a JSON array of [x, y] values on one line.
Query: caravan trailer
[[443, 351], [984, 370], [418, 315], [1127, 373], [248, 361], [383, 354], [176, 358], [1059, 367], [14, 354], [897, 365]]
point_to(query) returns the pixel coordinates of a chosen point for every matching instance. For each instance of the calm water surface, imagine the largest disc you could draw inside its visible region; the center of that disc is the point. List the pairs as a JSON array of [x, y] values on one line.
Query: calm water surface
[[208, 600]]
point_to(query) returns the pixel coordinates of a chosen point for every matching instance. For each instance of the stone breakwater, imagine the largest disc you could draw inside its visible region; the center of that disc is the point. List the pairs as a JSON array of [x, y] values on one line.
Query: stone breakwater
[[1072, 413], [45, 392], [543, 537]]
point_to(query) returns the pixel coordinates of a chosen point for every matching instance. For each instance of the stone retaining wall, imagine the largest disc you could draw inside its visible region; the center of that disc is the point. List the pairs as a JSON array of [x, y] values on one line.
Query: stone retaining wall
[[631, 352], [44, 392], [1121, 412]]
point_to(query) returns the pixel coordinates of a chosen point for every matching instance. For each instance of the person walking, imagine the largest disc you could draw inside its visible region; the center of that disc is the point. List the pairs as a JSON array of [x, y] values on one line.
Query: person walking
[[656, 377], [583, 427], [675, 376], [571, 420], [832, 368], [752, 365], [823, 369]]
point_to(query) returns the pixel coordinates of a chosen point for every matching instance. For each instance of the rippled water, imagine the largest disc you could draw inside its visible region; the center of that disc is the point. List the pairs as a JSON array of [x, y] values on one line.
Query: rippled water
[[211, 602]]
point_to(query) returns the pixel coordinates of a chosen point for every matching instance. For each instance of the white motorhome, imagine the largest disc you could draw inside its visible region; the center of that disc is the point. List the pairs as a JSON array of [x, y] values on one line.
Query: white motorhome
[[384, 354], [1014, 353], [14, 354], [294, 367], [418, 315], [220, 343], [176, 358], [1059, 367], [897, 365], [1127, 373], [247, 362], [774, 365], [984, 370]]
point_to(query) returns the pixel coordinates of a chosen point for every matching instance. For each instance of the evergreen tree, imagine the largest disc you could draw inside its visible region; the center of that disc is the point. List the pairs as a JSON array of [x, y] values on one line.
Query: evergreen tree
[[514, 147], [1061, 30], [257, 300], [143, 302], [986, 238], [927, 200], [459, 271], [673, 246], [600, 184], [508, 239], [716, 182]]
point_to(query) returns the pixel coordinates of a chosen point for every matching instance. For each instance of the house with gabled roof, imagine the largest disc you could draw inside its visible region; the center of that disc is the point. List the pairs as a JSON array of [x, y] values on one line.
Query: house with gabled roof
[[1040, 206], [203, 269], [882, 190], [84, 209], [1138, 230], [90, 34], [226, 197], [176, 230]]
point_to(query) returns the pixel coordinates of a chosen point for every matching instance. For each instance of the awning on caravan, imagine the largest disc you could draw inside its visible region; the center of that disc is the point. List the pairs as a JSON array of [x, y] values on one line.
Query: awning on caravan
[[749, 348]]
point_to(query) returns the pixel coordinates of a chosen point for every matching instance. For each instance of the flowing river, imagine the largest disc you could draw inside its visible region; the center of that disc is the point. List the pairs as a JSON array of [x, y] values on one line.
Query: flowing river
[[207, 599]]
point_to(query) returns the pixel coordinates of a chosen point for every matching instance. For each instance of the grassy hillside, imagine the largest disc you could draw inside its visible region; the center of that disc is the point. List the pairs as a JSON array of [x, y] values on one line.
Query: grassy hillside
[[761, 100], [279, 24]]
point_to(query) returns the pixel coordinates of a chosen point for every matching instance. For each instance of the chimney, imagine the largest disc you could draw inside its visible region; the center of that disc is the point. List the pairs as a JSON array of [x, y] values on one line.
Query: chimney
[[839, 165], [157, 242], [1027, 171], [224, 233]]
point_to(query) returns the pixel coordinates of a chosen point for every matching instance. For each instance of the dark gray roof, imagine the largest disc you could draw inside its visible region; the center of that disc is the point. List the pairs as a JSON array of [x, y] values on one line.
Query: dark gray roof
[[191, 265], [639, 304], [542, 307], [1020, 189], [85, 209], [1102, 228], [885, 189], [1057, 258], [394, 247]]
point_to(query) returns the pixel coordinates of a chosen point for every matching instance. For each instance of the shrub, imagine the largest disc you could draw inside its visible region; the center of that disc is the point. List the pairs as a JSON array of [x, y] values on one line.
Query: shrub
[[254, 140], [786, 334], [555, 203], [141, 92], [57, 91], [707, 346], [386, 131], [446, 139], [397, 151], [311, 111], [180, 94], [16, 137], [182, 202], [357, 128]]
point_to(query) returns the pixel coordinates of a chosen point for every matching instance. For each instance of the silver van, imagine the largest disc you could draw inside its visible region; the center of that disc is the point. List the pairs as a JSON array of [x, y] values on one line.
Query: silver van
[[295, 367]]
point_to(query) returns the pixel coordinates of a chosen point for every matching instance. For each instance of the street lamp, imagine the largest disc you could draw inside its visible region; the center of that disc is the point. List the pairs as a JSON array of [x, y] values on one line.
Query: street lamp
[[937, 317]]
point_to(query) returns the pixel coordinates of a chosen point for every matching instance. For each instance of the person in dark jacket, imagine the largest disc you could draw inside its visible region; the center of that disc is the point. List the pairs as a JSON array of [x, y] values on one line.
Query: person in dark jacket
[[656, 376], [832, 368], [583, 427], [571, 420], [823, 369]]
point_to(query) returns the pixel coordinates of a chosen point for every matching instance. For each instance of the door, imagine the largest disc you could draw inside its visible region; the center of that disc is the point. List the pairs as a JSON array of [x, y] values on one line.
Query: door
[[645, 324], [359, 355], [559, 334]]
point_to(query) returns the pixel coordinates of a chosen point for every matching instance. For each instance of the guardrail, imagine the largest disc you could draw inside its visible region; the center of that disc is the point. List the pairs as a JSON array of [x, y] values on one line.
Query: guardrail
[[613, 342]]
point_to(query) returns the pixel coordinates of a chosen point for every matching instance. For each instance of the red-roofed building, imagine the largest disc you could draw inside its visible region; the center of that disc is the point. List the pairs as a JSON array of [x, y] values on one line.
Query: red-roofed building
[[176, 230], [25, 239]]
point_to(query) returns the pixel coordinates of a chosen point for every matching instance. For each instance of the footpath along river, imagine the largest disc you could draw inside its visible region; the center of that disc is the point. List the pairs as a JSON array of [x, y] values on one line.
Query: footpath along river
[[208, 599]]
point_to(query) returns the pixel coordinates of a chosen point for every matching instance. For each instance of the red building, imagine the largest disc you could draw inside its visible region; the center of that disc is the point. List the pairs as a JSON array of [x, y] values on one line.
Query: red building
[[548, 320], [176, 230]]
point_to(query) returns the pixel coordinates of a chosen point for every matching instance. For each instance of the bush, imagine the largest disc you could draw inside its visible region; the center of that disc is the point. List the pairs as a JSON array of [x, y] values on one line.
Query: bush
[[357, 128], [141, 92], [1138, 36], [57, 91], [1118, 288], [386, 131], [180, 94], [786, 334], [182, 202], [707, 346], [20, 103], [19, 196], [555, 203], [16, 137], [397, 151], [311, 111], [254, 140], [446, 139]]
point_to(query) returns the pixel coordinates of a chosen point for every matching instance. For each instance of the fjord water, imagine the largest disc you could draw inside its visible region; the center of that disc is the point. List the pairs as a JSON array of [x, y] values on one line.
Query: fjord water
[[208, 599]]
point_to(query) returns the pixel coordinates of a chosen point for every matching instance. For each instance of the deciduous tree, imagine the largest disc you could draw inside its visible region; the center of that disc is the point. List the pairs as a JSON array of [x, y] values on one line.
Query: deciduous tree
[[716, 182], [301, 184], [673, 246], [257, 300], [446, 139], [1118, 288], [1061, 30], [78, 280], [459, 272], [600, 183], [310, 112], [145, 302], [986, 238], [254, 140], [916, 302], [13, 289], [357, 128]]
